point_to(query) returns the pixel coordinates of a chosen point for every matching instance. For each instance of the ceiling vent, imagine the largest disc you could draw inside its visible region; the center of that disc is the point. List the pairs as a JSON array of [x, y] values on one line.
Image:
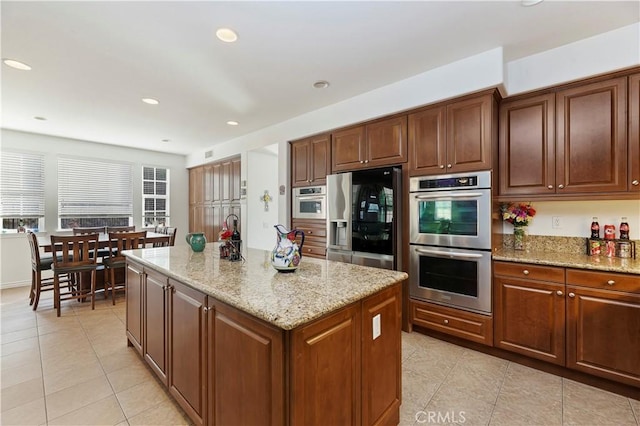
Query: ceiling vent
[[208, 154]]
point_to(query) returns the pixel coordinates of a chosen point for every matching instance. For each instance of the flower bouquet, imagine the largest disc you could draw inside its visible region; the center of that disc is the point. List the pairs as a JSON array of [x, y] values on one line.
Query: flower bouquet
[[519, 215]]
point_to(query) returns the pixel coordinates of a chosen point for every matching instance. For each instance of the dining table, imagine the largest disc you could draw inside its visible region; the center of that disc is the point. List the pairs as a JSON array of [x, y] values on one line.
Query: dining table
[[152, 239]]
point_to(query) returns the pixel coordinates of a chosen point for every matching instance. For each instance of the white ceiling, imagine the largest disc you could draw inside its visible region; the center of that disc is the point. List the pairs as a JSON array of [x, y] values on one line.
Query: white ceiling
[[93, 61]]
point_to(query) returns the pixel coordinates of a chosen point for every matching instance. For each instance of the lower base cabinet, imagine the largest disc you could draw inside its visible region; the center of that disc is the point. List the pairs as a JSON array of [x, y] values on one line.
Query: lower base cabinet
[[224, 366]]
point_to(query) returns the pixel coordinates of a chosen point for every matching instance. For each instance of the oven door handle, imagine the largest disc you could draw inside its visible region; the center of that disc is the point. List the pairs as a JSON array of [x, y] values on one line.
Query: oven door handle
[[449, 253], [460, 195], [311, 197]]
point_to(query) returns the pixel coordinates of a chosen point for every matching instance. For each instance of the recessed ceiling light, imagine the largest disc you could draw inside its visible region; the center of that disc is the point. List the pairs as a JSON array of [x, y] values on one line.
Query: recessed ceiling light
[[232, 123], [150, 101], [227, 35], [40, 118], [321, 84], [528, 3], [16, 64], [166, 140]]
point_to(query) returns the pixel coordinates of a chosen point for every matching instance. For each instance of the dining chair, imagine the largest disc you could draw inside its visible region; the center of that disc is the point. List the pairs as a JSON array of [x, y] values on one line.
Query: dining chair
[[171, 231], [74, 256], [119, 241], [120, 229], [40, 262], [102, 253]]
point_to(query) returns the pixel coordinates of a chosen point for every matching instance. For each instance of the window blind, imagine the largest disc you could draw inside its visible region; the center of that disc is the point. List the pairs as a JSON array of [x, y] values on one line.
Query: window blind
[[21, 185], [88, 188]]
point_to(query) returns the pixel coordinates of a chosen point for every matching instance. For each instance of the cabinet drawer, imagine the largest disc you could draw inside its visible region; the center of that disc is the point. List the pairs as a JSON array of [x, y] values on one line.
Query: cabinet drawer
[[463, 324], [314, 250], [529, 271], [604, 280]]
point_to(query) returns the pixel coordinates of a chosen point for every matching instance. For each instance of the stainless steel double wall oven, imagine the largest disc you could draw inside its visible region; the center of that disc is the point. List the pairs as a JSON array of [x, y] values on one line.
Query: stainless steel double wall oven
[[450, 240]]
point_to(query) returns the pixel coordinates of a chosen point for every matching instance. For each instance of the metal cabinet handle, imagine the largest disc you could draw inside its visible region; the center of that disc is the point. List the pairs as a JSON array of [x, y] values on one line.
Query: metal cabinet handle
[[449, 166], [442, 166], [446, 321], [572, 295], [309, 250], [611, 282], [561, 186], [366, 161], [550, 187], [206, 309], [309, 232], [635, 182], [361, 162], [526, 272], [559, 293]]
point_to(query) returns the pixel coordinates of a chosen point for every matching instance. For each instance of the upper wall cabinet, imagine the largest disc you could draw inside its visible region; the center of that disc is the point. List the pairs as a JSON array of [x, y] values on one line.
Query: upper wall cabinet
[[453, 137], [310, 161], [572, 142], [377, 144], [634, 133]]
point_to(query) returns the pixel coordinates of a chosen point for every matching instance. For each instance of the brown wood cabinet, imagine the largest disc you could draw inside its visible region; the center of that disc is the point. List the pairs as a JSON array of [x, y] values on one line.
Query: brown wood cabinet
[[466, 325], [377, 144], [214, 192], [224, 366], [634, 133], [135, 286], [315, 236], [529, 310], [310, 161], [455, 136]]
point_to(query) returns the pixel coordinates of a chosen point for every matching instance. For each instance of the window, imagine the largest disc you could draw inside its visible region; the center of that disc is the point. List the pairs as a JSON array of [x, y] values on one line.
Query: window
[[22, 190], [155, 196], [94, 193]]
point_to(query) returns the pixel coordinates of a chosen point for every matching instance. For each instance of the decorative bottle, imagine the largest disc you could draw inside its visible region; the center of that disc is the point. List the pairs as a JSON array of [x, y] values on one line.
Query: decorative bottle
[[235, 243], [624, 229], [595, 228]]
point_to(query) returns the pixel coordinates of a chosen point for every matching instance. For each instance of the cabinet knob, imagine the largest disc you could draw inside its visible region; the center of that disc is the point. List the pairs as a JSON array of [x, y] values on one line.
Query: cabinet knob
[[361, 162], [442, 166], [635, 182], [449, 166], [611, 282], [561, 186], [572, 295], [366, 161], [309, 232], [206, 309], [526, 272], [550, 187], [309, 250], [446, 321], [559, 293]]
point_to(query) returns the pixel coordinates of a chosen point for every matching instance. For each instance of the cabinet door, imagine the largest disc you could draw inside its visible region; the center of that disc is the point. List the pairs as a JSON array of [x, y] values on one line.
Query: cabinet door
[[208, 192], [209, 222], [325, 354], [469, 134], [634, 133], [196, 218], [602, 333], [347, 149], [529, 318], [134, 279], [187, 350], [319, 159], [196, 185], [381, 346], [216, 173], [225, 188], [427, 141], [591, 148], [386, 142], [249, 370], [527, 146], [155, 323], [300, 153], [235, 179]]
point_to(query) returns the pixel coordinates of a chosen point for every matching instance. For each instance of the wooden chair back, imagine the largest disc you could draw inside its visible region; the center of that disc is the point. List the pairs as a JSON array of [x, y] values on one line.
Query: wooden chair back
[[111, 229], [119, 241], [74, 252], [89, 230], [171, 231], [35, 250]]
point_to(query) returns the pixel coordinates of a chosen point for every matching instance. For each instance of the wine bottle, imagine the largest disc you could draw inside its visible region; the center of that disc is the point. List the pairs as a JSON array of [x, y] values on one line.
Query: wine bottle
[[235, 242]]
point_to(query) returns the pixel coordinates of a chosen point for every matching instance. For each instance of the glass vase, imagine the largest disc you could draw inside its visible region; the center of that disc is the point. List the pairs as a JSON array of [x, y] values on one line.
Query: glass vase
[[520, 238]]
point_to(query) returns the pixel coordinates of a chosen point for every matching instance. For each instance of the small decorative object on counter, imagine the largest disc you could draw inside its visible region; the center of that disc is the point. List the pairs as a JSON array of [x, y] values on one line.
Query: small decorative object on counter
[[286, 255], [236, 243], [624, 229], [519, 238], [21, 228], [624, 249], [595, 228], [595, 247], [609, 232], [611, 248], [196, 240], [519, 215]]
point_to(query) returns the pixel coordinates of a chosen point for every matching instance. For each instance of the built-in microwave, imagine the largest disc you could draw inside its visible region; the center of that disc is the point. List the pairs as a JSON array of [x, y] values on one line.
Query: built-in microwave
[[310, 202]]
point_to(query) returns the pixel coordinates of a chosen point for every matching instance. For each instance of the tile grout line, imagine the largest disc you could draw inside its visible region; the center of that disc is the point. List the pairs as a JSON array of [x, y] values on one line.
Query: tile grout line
[[495, 403]]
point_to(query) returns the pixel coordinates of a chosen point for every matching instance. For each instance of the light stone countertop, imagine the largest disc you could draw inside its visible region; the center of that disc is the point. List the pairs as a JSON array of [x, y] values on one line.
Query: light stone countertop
[[286, 300], [570, 260]]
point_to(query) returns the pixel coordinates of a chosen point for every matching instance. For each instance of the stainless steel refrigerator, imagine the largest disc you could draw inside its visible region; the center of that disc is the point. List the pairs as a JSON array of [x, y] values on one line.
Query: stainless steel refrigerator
[[363, 217]]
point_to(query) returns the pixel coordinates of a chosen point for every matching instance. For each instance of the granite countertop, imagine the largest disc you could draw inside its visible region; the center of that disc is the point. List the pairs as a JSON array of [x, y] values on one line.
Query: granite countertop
[[286, 300], [570, 260]]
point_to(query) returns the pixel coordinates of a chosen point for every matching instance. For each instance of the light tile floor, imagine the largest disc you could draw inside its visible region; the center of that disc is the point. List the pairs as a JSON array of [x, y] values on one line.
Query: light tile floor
[[78, 370]]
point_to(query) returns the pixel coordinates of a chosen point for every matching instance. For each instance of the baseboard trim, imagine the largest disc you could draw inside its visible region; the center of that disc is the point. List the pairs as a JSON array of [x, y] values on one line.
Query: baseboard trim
[[15, 284]]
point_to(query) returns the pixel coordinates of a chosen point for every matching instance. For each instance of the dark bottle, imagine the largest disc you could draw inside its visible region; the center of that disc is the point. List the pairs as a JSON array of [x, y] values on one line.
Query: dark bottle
[[235, 242], [624, 229], [595, 228]]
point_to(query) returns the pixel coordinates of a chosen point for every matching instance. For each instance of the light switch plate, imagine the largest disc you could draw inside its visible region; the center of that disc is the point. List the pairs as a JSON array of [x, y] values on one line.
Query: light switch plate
[[376, 327]]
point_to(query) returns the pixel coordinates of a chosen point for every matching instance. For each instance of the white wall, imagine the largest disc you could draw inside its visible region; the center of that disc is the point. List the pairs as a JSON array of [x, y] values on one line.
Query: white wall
[[14, 252], [262, 174]]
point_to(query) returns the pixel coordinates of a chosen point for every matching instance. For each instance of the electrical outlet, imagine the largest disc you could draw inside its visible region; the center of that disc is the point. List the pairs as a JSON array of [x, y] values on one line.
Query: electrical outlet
[[556, 222]]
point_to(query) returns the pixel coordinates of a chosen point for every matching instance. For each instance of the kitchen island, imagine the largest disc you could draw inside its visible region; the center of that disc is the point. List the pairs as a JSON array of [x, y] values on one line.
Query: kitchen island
[[240, 343]]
